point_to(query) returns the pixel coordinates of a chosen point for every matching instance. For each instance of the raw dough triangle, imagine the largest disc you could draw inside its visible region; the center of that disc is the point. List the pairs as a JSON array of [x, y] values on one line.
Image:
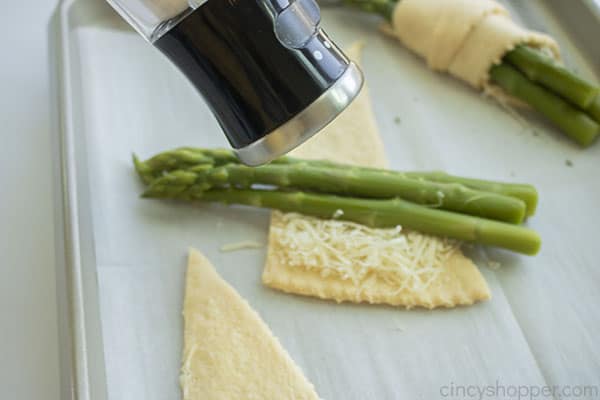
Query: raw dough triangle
[[229, 352]]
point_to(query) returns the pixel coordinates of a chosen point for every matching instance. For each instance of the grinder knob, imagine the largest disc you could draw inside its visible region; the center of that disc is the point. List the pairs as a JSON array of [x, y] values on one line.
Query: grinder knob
[[298, 23]]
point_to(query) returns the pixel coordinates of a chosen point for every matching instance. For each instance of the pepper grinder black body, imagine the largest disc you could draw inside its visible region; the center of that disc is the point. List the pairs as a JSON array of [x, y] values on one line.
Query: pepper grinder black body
[[271, 76]]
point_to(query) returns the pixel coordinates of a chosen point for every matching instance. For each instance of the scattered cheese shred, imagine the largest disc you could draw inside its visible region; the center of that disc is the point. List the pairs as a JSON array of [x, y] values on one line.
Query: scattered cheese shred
[[243, 245], [338, 214], [408, 260]]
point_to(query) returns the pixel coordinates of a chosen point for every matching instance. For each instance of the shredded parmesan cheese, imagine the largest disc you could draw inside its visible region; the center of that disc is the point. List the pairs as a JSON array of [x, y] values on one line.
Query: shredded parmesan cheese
[[243, 245], [408, 260], [338, 214]]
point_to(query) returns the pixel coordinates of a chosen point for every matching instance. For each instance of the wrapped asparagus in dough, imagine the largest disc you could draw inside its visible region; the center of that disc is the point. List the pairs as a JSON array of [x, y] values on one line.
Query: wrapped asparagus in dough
[[478, 42]]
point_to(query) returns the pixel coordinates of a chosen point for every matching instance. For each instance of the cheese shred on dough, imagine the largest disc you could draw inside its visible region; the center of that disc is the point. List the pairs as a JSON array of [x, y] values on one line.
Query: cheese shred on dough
[[357, 253], [345, 261]]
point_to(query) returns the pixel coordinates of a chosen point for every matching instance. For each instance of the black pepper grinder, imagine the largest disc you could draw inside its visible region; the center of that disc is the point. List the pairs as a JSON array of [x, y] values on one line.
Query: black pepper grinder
[[270, 74]]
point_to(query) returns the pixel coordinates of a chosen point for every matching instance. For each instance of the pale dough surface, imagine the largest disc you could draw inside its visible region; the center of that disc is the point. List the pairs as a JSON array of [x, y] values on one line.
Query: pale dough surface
[[459, 283], [463, 37], [353, 138], [229, 352]]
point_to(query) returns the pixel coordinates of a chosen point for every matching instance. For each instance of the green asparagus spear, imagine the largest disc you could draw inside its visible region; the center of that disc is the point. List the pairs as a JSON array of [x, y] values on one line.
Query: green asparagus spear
[[540, 68], [169, 161], [525, 192], [522, 191], [372, 184], [575, 123], [181, 158], [219, 157], [186, 185], [145, 171], [374, 213]]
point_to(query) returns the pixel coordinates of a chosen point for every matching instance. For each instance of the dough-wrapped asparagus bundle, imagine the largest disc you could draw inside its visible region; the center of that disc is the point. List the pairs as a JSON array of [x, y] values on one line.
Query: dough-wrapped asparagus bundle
[[476, 41]]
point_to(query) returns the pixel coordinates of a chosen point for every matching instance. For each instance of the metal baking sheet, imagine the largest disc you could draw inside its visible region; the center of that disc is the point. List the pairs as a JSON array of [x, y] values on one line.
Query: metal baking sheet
[[124, 257]]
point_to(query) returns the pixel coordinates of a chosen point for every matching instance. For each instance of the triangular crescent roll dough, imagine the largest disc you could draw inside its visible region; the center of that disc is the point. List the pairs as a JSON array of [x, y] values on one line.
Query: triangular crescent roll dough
[[229, 352], [353, 138]]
